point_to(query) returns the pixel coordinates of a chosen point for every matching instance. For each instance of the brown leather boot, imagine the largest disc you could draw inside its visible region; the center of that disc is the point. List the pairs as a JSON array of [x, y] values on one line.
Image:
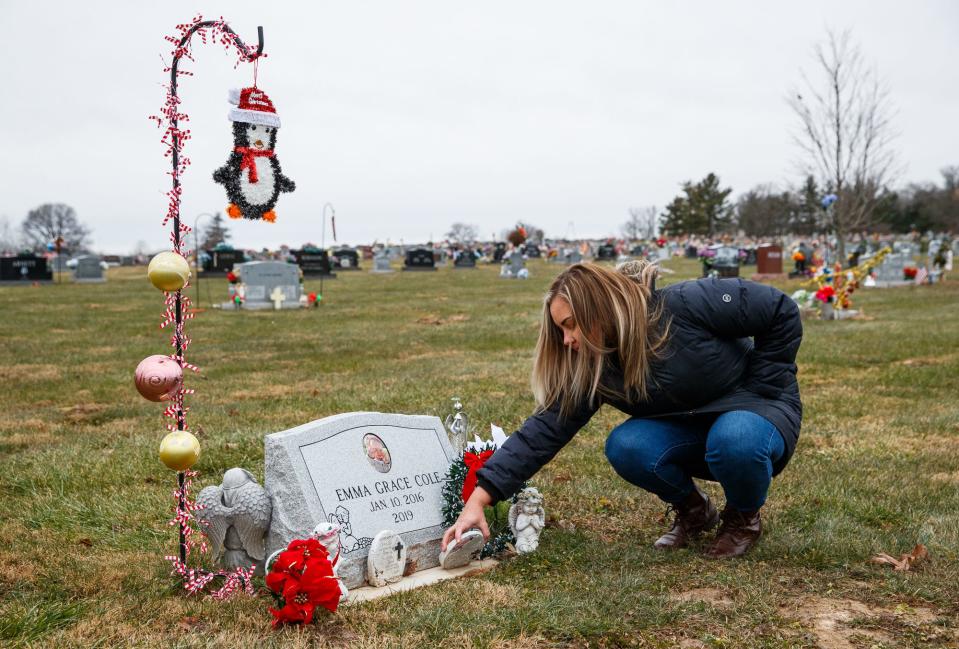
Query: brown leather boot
[[738, 533], [694, 516]]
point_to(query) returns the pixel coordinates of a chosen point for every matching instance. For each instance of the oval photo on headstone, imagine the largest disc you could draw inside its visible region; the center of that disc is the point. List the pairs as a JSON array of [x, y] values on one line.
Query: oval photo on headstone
[[376, 453]]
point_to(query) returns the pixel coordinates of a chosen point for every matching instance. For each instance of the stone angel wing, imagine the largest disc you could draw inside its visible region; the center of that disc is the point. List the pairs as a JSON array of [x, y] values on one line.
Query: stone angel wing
[[213, 517], [511, 516], [247, 508], [252, 509]]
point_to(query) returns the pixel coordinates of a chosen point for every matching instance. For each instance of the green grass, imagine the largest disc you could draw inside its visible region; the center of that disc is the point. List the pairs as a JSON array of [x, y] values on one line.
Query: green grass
[[86, 502]]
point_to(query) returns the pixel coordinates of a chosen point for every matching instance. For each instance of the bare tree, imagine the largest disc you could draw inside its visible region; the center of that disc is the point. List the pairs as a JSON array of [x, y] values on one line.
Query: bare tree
[[846, 133], [52, 221], [642, 223], [462, 233], [9, 242]]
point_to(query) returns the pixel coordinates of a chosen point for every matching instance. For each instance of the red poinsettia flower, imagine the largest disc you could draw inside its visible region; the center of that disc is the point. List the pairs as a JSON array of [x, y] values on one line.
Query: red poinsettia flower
[[317, 586], [298, 552], [474, 462], [231, 277]]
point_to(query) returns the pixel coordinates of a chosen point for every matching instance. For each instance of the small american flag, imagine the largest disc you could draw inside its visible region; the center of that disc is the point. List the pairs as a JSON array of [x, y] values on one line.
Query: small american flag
[[921, 276]]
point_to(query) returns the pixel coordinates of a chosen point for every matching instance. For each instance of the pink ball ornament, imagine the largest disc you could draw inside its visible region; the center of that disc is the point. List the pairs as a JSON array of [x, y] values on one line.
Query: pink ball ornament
[[158, 378]]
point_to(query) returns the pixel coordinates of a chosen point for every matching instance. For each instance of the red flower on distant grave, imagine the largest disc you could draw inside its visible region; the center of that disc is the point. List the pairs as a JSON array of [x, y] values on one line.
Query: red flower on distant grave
[[232, 278], [826, 294]]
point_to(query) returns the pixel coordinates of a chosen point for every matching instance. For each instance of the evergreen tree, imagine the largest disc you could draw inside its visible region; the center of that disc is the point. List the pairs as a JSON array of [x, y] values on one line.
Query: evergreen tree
[[701, 209], [216, 233]]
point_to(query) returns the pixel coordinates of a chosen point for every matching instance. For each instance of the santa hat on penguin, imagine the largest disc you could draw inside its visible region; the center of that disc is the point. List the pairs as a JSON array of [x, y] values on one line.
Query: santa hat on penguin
[[252, 175]]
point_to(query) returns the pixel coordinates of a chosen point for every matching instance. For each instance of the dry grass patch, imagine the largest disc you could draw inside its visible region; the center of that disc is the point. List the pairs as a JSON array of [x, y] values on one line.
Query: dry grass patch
[[712, 596], [29, 372]]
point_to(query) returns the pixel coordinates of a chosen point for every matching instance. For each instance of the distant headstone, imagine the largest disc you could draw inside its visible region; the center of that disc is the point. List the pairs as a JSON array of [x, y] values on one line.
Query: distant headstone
[[573, 257], [314, 263], [769, 260], [366, 472], [532, 251], [381, 261], [514, 264], [261, 281], [222, 261], [465, 259], [419, 259], [88, 270], [24, 268], [889, 272], [606, 252], [346, 259], [499, 251]]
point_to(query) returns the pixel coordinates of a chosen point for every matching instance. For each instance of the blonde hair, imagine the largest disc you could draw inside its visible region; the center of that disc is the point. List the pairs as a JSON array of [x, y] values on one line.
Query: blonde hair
[[619, 326]]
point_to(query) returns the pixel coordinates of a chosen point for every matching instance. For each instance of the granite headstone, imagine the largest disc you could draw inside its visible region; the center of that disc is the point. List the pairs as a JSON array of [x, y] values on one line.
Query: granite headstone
[[28, 267], [260, 280], [88, 270], [366, 472]]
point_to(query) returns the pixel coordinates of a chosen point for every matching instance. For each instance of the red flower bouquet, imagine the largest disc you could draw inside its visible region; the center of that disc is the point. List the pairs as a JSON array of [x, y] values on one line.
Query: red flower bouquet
[[302, 579], [909, 272], [826, 294], [232, 277]]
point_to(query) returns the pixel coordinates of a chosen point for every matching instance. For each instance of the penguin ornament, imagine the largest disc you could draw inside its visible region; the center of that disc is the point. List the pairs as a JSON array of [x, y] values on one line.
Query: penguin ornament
[[252, 175]]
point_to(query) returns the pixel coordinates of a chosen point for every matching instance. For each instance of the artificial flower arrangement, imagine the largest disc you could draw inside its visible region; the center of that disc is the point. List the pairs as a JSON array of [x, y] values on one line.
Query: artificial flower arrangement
[[302, 580], [833, 286], [799, 256], [909, 273], [460, 483]]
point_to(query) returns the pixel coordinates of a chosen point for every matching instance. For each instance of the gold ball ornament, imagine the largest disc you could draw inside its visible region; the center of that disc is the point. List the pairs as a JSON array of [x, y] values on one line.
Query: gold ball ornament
[[179, 450], [169, 271]]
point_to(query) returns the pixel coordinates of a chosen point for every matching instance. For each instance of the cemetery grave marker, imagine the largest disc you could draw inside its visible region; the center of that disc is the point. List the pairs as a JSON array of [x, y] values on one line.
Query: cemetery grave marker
[[366, 472], [262, 280], [88, 270]]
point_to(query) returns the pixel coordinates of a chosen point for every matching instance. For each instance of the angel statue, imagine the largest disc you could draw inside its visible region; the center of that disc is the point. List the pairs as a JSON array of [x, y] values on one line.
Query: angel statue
[[458, 426], [235, 517], [527, 519], [328, 534]]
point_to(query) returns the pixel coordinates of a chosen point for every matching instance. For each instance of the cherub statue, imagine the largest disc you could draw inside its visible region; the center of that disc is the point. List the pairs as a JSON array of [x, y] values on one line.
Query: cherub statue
[[527, 519], [328, 533], [235, 517]]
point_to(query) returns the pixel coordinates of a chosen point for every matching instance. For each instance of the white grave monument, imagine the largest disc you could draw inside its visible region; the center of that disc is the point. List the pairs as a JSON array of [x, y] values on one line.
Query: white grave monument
[[365, 472]]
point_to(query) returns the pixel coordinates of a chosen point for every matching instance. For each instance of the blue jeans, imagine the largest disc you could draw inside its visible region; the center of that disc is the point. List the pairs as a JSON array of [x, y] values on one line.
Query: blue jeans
[[736, 449]]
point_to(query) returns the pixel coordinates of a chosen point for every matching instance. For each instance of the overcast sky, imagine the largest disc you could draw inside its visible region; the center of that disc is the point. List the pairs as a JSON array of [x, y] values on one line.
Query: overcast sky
[[409, 116]]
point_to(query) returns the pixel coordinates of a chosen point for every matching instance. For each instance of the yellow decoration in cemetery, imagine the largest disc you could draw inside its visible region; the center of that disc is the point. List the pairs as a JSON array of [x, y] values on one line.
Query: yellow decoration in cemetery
[[169, 271], [179, 450], [846, 281]]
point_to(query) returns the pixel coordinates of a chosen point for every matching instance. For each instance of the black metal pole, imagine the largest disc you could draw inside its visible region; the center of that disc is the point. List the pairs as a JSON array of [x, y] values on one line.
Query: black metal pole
[[178, 305]]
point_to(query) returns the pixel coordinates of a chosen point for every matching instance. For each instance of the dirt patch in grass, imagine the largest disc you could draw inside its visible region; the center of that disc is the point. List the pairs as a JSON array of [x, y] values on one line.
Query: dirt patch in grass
[[436, 320], [836, 622], [948, 478], [28, 372], [83, 413], [712, 596]]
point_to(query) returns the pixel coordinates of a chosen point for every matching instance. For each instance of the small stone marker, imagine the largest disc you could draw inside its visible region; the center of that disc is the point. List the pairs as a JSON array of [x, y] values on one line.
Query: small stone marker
[[387, 559], [460, 554]]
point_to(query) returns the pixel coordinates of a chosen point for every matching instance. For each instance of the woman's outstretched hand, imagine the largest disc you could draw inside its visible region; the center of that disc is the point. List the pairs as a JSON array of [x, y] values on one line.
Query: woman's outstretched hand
[[471, 516]]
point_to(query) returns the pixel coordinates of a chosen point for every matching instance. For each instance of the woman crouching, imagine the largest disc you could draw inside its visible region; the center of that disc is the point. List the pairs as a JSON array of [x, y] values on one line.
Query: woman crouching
[[706, 371]]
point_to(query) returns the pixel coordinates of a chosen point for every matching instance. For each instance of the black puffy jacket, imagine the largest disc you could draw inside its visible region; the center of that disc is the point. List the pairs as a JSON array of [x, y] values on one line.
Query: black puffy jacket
[[732, 346]]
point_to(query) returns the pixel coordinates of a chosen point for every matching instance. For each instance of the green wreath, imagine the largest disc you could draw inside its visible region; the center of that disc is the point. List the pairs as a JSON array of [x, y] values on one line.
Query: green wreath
[[497, 517]]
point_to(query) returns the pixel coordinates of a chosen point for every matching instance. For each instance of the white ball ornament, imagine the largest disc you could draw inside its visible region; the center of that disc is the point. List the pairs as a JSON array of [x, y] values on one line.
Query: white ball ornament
[[169, 271]]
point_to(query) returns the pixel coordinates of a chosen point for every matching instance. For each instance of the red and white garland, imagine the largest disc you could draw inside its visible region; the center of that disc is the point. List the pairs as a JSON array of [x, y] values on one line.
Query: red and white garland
[[174, 138]]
